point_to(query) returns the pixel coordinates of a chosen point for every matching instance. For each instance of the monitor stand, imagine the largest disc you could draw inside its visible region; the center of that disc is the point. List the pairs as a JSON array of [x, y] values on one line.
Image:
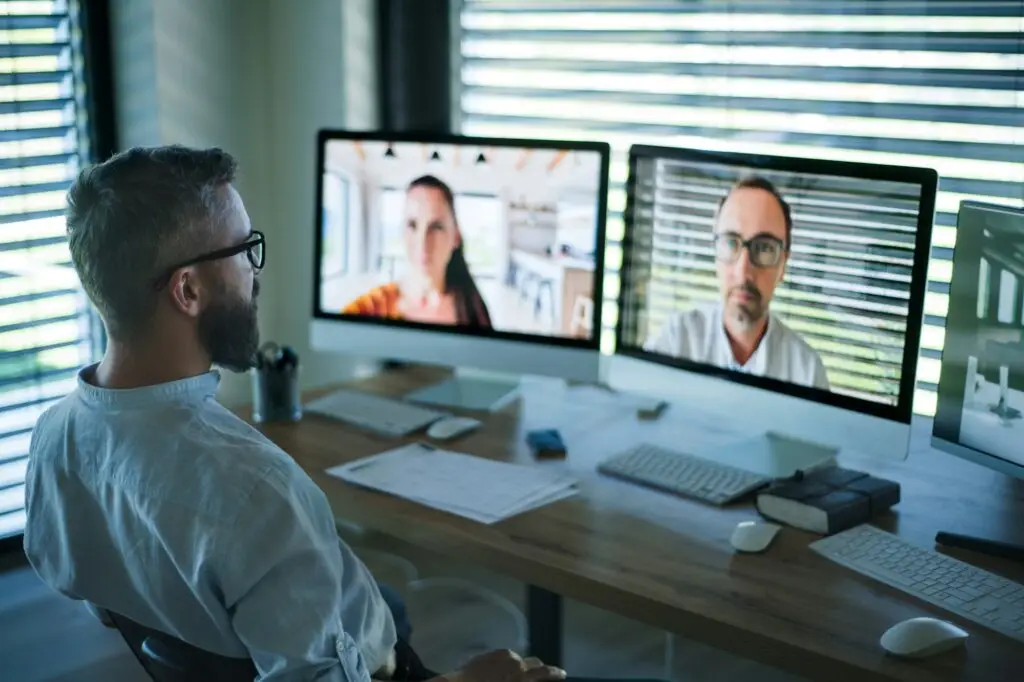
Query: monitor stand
[[773, 454], [470, 390], [1002, 408]]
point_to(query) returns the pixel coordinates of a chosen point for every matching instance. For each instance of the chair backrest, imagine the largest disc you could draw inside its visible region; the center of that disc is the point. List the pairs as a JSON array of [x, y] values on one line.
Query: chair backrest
[[167, 659]]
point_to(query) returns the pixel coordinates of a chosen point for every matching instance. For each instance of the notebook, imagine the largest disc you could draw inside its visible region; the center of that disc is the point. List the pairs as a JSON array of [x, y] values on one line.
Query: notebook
[[828, 500]]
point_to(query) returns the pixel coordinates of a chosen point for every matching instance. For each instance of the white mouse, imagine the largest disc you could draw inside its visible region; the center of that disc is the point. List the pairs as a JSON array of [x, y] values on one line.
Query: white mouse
[[451, 427], [753, 536], [921, 637]]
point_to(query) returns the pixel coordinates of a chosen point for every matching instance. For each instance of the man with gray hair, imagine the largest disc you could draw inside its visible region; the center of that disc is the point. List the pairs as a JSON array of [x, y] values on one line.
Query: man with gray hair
[[148, 499]]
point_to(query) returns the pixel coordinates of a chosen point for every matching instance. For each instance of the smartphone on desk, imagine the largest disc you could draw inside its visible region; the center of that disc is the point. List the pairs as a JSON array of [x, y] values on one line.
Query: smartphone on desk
[[545, 443]]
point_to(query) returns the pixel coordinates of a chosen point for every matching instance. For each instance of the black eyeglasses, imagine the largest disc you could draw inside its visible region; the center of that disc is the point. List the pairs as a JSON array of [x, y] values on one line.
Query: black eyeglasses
[[765, 250], [254, 248]]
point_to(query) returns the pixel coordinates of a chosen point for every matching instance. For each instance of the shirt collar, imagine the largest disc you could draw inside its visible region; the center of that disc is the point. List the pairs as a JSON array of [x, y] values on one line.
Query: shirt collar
[[756, 364], [189, 390]]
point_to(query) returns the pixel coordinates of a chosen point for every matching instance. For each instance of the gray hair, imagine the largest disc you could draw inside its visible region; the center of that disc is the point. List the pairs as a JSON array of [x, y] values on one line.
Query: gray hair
[[137, 214]]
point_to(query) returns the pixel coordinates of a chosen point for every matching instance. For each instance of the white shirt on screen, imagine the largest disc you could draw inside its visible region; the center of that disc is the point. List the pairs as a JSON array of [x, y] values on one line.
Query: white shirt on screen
[[699, 335]]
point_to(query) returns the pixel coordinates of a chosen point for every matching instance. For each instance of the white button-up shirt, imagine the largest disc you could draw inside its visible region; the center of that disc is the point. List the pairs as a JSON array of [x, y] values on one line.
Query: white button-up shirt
[[699, 335], [161, 505]]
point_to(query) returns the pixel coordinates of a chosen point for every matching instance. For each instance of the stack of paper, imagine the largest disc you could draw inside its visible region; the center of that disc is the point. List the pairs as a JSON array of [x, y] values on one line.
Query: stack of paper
[[476, 488]]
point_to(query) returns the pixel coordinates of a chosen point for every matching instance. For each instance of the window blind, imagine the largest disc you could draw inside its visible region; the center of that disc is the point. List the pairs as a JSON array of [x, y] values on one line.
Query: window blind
[[933, 83], [45, 324]]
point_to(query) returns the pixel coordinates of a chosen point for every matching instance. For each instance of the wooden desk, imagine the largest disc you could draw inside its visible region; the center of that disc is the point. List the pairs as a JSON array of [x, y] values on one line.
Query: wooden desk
[[667, 561]]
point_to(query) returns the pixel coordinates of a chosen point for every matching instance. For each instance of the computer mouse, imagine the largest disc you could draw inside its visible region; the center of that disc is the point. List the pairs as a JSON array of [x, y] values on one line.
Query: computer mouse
[[753, 536], [921, 637], [451, 427]]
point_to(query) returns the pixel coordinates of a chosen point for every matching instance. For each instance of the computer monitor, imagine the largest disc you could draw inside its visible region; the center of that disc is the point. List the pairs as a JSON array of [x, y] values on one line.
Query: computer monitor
[[461, 251], [978, 415], [784, 295]]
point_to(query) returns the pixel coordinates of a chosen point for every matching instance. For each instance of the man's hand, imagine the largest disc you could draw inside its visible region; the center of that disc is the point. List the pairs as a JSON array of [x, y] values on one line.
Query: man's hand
[[505, 666]]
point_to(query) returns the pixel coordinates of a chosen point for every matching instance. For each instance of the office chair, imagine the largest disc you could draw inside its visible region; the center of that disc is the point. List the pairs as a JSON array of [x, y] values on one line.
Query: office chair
[[167, 659]]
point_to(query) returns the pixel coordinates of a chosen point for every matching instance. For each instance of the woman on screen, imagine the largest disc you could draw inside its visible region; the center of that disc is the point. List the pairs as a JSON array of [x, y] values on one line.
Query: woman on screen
[[438, 288]]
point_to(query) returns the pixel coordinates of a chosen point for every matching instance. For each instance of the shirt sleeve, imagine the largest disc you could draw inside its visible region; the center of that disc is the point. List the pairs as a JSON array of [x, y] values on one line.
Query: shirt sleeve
[[667, 339], [285, 586]]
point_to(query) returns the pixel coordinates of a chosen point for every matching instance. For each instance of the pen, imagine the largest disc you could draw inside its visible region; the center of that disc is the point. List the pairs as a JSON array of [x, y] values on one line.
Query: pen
[[361, 464]]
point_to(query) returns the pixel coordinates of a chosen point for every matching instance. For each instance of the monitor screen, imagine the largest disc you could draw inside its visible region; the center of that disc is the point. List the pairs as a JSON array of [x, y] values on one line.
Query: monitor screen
[[981, 382], [802, 276], [490, 237]]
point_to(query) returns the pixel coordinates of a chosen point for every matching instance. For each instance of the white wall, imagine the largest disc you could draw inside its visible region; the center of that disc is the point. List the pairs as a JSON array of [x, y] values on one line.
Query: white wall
[[258, 78]]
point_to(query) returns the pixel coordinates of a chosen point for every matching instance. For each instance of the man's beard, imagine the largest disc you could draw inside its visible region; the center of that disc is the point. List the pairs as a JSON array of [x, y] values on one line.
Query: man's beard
[[751, 312], [229, 331]]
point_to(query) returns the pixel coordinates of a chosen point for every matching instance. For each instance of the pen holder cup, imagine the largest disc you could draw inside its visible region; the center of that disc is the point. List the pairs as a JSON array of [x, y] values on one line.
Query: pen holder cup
[[275, 394]]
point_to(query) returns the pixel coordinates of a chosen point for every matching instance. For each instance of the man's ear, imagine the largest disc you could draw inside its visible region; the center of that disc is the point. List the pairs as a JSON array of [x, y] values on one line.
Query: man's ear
[[782, 269], [186, 291]]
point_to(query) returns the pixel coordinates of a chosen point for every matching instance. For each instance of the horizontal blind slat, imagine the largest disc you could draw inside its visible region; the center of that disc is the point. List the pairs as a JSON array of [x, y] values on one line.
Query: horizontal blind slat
[[993, 160], [785, 56], [12, 523], [20, 190], [32, 392], [14, 164], [37, 323], [12, 498], [13, 471], [985, 43], [658, 9], [28, 216], [35, 78], [29, 49], [27, 106], [36, 378], [965, 86], [10, 356], [994, 109]]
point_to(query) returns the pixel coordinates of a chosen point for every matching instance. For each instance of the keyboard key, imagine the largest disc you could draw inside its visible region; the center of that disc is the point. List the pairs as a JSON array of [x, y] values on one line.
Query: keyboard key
[[965, 594]]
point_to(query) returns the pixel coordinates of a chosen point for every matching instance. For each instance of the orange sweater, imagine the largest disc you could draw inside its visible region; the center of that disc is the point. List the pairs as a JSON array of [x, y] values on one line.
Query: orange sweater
[[380, 301]]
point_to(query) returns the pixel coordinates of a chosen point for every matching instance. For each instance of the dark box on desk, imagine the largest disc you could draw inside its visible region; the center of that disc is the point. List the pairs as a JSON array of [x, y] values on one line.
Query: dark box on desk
[[828, 500]]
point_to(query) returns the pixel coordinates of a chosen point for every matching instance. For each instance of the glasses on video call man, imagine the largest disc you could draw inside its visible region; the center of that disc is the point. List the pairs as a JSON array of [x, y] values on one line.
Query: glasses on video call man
[[753, 228]]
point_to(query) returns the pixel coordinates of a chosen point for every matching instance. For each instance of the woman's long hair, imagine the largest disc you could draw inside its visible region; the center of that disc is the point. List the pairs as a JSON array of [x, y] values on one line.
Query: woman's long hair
[[470, 308]]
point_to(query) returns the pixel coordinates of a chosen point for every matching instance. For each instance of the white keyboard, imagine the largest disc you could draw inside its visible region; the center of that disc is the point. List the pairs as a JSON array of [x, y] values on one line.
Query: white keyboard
[[682, 474], [375, 413], [977, 595]]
